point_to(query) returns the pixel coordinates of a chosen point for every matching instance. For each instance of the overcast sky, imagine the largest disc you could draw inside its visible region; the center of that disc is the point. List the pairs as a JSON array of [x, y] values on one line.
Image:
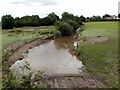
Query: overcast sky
[[18, 8]]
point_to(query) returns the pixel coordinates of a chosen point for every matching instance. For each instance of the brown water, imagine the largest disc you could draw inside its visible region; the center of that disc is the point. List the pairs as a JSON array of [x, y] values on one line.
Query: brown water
[[52, 57]]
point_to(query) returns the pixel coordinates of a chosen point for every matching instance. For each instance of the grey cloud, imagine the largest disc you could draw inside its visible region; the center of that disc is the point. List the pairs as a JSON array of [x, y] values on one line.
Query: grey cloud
[[21, 3], [119, 7], [40, 2]]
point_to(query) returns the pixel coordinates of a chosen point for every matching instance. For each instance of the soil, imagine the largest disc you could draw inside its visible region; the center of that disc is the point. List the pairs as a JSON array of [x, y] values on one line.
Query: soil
[[98, 40]]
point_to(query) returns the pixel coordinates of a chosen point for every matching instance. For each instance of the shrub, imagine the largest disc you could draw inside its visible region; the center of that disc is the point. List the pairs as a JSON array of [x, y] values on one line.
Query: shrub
[[57, 22], [65, 29], [57, 33], [73, 23], [17, 80]]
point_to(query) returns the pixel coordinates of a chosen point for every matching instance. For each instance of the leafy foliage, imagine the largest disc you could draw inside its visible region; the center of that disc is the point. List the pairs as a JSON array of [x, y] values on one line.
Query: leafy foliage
[[7, 22], [17, 22], [69, 23], [33, 20], [119, 15], [106, 15], [13, 81], [95, 18], [57, 33], [73, 23], [66, 15], [82, 18], [49, 20], [65, 29]]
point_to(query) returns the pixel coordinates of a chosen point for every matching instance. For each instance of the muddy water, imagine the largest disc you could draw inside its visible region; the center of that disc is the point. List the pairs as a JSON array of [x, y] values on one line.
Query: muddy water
[[53, 57]]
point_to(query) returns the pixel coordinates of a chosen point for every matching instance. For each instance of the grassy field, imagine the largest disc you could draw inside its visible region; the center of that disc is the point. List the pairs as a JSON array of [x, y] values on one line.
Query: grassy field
[[101, 59], [24, 33]]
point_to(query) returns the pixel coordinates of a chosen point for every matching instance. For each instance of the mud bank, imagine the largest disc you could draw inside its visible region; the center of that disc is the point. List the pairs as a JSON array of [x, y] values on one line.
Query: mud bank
[[18, 54]]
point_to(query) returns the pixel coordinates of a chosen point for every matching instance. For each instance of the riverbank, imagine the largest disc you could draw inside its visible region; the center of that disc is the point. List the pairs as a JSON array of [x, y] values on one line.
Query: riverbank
[[15, 38], [18, 54], [99, 51], [80, 81]]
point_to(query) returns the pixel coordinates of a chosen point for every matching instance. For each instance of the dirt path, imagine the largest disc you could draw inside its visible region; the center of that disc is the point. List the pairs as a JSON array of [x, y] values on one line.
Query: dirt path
[[83, 80]]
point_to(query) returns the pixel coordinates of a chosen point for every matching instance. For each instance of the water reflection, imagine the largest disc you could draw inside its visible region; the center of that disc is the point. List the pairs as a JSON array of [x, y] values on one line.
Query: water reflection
[[64, 42]]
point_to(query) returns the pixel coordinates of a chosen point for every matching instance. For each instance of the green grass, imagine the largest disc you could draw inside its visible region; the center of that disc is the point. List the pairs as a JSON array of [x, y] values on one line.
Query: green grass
[[17, 35], [0, 39], [101, 58]]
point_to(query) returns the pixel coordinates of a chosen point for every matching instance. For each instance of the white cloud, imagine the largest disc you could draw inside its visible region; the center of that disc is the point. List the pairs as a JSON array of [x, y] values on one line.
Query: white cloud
[[18, 8]]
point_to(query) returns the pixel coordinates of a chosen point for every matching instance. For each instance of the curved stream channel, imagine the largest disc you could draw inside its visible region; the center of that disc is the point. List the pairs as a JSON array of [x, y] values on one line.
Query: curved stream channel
[[53, 57]]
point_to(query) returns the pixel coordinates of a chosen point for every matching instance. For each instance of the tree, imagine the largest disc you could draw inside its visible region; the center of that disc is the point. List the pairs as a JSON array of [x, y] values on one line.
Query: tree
[[7, 22], [73, 23], [65, 29], [17, 22], [106, 15], [82, 18], [49, 20], [35, 20], [53, 17], [119, 15], [95, 18], [26, 21], [66, 15], [45, 21]]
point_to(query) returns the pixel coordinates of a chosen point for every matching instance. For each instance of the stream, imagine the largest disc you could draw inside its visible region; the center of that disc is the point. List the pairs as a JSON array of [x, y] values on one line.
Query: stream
[[53, 57]]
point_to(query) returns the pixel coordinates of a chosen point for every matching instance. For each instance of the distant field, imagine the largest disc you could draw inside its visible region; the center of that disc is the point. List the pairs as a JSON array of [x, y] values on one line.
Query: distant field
[[24, 33], [101, 59]]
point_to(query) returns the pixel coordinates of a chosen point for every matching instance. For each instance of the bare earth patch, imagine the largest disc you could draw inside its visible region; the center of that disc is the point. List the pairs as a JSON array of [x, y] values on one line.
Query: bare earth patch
[[98, 40]]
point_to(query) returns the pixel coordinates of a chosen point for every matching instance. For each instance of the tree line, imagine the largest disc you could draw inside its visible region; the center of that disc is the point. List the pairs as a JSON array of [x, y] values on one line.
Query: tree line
[[105, 17], [8, 22]]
